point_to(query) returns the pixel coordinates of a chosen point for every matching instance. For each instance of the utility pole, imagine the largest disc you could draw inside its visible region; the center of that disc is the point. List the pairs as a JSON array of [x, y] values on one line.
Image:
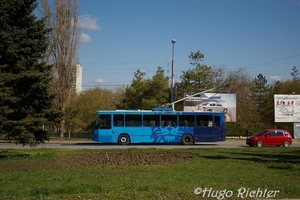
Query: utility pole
[[173, 80]]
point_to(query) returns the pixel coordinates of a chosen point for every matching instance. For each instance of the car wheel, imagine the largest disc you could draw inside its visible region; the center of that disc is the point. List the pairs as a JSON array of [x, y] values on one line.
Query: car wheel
[[259, 144], [225, 111], [286, 144], [124, 139], [187, 139]]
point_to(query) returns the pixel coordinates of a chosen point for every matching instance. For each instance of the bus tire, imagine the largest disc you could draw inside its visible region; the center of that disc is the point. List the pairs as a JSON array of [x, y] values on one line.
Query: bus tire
[[187, 139], [124, 139]]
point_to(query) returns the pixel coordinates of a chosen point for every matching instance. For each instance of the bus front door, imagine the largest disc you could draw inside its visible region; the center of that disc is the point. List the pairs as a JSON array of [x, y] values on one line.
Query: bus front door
[[105, 131]]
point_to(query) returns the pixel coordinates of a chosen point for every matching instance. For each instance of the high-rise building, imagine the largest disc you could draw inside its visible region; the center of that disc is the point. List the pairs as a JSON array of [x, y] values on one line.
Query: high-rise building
[[77, 85]]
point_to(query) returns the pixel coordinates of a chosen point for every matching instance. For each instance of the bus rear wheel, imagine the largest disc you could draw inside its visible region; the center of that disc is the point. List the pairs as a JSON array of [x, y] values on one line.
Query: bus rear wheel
[[187, 139], [124, 139]]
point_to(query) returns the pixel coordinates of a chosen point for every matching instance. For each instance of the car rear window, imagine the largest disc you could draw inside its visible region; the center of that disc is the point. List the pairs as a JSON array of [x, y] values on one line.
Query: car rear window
[[280, 133], [272, 133]]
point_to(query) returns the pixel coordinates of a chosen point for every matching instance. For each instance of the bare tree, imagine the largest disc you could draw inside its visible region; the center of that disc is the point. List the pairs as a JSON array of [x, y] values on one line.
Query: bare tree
[[62, 18]]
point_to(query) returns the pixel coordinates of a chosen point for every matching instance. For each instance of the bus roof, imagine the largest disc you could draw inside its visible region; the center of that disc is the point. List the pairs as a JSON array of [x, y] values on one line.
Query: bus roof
[[162, 109], [155, 112]]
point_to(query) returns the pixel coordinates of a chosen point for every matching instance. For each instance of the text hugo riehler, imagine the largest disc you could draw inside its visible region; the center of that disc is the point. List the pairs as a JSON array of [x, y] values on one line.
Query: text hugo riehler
[[241, 193]]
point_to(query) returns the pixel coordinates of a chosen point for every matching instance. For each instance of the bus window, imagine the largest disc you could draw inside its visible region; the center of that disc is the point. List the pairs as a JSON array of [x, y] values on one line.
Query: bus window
[[133, 120], [104, 121], [151, 120], [204, 120], [186, 120], [118, 120], [217, 120], [168, 120]]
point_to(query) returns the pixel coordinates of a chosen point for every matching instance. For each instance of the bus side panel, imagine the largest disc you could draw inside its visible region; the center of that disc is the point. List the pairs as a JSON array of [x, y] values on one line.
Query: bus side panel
[[223, 133], [96, 135], [209, 134], [112, 135], [148, 136], [135, 133], [162, 134], [104, 135], [107, 136]]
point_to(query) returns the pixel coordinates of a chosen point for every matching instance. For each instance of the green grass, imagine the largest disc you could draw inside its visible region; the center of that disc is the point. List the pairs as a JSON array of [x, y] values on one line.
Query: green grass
[[217, 169]]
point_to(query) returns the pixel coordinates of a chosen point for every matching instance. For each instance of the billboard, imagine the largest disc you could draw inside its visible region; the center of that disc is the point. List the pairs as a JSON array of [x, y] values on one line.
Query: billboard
[[286, 108], [221, 102], [296, 130]]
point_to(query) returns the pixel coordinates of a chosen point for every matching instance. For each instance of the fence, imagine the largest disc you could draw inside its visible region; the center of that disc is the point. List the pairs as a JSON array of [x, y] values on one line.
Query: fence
[[75, 135]]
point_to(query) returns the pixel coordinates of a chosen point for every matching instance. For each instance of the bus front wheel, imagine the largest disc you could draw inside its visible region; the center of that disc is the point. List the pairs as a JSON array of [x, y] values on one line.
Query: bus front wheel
[[124, 139], [187, 139]]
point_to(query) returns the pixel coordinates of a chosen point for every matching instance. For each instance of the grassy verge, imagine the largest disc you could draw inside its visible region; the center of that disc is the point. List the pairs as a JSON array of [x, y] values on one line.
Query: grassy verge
[[248, 173]]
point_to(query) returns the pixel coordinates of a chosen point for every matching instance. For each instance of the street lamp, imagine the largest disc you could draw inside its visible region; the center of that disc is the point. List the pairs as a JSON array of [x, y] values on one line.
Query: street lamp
[[173, 81]]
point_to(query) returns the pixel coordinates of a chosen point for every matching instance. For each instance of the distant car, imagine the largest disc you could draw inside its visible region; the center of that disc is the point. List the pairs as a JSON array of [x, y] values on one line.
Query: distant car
[[269, 137], [212, 106]]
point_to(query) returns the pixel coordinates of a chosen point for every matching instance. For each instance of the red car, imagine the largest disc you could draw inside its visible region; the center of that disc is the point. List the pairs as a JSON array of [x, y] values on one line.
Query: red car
[[268, 137]]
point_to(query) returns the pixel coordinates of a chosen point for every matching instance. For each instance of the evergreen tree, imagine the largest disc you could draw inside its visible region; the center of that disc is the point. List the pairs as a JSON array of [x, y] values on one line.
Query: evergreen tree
[[194, 80], [147, 93], [295, 73], [260, 95], [25, 97], [157, 91], [134, 93]]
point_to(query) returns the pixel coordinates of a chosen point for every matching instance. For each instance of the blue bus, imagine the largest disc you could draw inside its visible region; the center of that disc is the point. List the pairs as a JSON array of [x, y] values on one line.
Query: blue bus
[[159, 126]]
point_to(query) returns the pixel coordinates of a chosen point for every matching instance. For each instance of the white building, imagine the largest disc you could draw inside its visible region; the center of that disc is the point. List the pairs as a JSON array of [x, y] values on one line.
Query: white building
[[77, 85]]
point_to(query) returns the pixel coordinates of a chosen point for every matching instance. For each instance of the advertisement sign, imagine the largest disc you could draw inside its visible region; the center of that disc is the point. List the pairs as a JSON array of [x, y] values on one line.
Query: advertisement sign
[[296, 130], [287, 108], [220, 102]]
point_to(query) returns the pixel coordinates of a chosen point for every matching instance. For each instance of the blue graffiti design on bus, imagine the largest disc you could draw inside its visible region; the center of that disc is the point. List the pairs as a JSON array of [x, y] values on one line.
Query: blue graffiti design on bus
[[164, 134]]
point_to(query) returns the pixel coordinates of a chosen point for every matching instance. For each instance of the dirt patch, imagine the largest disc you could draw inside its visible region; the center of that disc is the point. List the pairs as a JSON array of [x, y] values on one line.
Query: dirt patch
[[124, 158], [103, 159]]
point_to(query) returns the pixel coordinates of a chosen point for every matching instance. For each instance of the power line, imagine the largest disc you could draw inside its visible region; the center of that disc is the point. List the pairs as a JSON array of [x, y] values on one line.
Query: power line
[[273, 61], [124, 63]]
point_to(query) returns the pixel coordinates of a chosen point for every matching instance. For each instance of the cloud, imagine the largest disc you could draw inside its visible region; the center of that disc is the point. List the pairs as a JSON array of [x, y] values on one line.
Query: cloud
[[84, 38], [294, 2], [289, 3], [88, 22], [276, 78], [280, 5], [143, 70], [99, 80]]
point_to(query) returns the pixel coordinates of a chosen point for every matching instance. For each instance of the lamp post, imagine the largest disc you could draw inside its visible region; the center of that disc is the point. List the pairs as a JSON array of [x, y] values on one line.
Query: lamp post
[[173, 81]]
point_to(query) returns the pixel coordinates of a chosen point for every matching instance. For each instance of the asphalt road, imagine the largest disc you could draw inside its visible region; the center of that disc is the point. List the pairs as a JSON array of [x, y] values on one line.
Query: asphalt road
[[230, 143]]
